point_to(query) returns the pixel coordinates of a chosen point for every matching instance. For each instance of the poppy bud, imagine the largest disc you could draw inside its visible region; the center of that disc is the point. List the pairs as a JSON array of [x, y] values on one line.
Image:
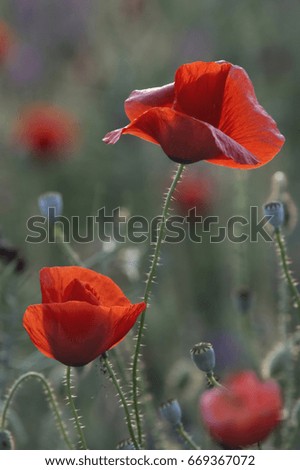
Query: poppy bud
[[203, 356], [127, 444], [6, 440], [275, 211], [170, 411], [279, 192], [51, 205], [279, 181]]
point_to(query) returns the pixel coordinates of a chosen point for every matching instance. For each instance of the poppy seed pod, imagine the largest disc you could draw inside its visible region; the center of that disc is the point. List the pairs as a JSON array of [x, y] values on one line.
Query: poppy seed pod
[[203, 356], [170, 411], [51, 205], [279, 192], [275, 211]]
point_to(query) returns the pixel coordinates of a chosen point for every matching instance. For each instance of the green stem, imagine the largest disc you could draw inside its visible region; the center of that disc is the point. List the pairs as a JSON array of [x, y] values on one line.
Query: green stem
[[50, 394], [122, 397], [119, 365], [186, 438], [71, 254], [285, 266], [213, 381], [151, 276], [82, 441]]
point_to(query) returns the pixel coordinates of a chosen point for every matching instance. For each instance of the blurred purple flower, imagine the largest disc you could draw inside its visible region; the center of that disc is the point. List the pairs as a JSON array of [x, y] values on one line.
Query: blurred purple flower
[[229, 350], [51, 24], [25, 66]]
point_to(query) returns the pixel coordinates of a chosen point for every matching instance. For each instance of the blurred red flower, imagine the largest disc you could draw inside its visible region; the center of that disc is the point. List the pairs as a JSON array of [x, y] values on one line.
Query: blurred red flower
[[46, 131], [242, 413], [209, 113], [7, 40], [82, 315], [194, 190]]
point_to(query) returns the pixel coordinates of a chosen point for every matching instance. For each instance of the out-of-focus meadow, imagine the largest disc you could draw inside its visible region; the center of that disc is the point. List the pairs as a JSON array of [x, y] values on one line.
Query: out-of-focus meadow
[[86, 56]]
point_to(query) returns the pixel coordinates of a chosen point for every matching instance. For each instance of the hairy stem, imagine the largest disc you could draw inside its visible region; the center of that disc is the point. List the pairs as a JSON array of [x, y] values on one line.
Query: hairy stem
[[151, 276], [78, 426], [122, 397], [185, 437], [50, 395], [285, 267]]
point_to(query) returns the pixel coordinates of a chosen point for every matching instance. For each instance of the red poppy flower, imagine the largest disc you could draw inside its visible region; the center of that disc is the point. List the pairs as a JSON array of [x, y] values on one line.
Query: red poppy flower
[[209, 113], [244, 412], [194, 191], [82, 315], [46, 131], [6, 41]]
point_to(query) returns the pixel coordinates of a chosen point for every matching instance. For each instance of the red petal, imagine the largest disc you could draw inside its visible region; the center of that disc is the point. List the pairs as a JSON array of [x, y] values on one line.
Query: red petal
[[245, 120], [244, 412], [55, 280], [73, 333], [124, 319], [199, 90], [112, 137], [140, 101], [76, 290], [187, 140]]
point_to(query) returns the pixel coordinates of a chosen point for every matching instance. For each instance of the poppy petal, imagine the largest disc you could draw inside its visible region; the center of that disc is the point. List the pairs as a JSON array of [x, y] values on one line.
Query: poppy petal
[[124, 319], [242, 413], [140, 101], [188, 140], [34, 325], [199, 89], [76, 290], [74, 333], [112, 137], [245, 120], [55, 280]]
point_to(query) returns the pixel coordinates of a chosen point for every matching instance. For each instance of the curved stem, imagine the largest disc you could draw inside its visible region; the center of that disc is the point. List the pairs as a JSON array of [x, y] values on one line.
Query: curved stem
[[122, 397], [213, 381], [185, 437], [78, 425], [50, 395], [151, 276], [285, 266]]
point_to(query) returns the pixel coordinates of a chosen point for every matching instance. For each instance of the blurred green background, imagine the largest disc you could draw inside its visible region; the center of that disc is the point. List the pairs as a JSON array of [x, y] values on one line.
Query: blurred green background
[[87, 56]]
